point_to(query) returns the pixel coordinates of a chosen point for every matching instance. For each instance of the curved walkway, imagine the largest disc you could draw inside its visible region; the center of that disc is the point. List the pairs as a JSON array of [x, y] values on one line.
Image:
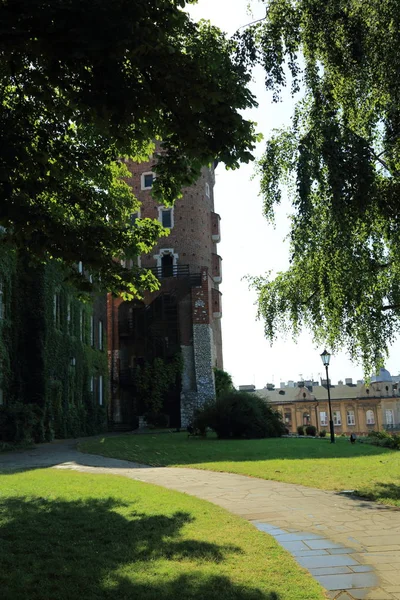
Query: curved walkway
[[352, 547]]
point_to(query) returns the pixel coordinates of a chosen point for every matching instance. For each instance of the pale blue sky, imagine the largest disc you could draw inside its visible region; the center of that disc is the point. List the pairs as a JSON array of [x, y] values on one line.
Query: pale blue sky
[[249, 245]]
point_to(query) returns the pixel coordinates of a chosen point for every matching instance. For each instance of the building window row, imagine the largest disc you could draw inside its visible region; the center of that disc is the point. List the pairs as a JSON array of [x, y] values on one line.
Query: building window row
[[82, 322], [350, 417]]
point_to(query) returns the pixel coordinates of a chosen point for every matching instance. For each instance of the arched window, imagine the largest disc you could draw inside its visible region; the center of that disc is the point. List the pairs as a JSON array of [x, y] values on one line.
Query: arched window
[[370, 417], [306, 418]]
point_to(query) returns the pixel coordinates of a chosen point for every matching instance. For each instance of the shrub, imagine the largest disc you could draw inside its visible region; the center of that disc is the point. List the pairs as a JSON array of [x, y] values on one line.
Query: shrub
[[383, 439], [311, 430], [239, 415], [156, 419], [322, 433], [300, 429]]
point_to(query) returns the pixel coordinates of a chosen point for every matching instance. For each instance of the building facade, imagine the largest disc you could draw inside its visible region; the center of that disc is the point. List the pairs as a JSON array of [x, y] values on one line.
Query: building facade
[[52, 352], [182, 317], [356, 407]]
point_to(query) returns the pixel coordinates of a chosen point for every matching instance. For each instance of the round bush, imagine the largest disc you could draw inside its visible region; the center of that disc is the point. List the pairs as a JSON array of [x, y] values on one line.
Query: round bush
[[300, 430], [240, 415], [311, 430], [322, 433]]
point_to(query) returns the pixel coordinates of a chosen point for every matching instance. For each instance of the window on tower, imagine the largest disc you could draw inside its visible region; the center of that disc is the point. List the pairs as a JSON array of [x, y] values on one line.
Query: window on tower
[[147, 180], [166, 217]]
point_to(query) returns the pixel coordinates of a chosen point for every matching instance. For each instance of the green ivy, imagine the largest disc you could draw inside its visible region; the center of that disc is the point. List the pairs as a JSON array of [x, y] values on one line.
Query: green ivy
[[153, 381], [50, 352]]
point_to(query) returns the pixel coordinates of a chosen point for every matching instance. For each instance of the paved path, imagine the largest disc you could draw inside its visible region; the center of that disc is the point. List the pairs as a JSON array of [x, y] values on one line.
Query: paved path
[[352, 547]]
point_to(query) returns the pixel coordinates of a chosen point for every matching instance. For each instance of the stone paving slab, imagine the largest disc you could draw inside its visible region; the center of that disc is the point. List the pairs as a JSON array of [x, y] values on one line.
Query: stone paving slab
[[353, 534]]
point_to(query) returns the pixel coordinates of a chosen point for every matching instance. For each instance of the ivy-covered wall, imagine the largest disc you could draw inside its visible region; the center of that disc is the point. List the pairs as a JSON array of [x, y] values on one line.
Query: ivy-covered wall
[[54, 377]]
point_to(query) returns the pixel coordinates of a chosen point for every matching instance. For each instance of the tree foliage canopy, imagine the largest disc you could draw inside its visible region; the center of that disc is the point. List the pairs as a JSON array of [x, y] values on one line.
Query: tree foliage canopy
[[340, 159], [84, 83]]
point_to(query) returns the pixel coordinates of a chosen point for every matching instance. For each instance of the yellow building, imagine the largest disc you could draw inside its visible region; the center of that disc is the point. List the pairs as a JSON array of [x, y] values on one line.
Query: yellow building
[[356, 408]]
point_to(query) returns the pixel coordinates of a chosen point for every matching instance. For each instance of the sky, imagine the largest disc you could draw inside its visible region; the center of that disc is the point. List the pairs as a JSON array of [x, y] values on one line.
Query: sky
[[251, 246]]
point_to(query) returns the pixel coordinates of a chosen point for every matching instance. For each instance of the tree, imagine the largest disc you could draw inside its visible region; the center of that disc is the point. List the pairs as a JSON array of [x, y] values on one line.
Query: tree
[[223, 382], [86, 83], [341, 161]]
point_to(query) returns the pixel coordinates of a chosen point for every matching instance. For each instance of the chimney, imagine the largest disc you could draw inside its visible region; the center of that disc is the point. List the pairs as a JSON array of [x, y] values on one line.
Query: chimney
[[349, 381]]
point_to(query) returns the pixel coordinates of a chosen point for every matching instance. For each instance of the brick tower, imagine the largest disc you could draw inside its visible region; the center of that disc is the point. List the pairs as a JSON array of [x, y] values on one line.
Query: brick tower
[[183, 315]]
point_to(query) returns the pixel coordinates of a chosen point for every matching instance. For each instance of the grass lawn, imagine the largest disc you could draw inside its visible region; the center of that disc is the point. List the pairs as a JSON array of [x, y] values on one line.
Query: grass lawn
[[67, 535], [373, 471]]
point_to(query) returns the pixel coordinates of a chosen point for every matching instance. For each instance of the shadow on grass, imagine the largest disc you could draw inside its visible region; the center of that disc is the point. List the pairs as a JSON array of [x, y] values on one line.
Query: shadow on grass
[[381, 492], [89, 550]]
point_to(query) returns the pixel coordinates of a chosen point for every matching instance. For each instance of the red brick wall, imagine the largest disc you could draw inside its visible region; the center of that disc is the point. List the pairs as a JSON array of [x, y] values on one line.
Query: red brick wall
[[191, 235]]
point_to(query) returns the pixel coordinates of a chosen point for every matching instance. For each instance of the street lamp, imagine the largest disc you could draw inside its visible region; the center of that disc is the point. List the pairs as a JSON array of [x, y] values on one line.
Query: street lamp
[[325, 356]]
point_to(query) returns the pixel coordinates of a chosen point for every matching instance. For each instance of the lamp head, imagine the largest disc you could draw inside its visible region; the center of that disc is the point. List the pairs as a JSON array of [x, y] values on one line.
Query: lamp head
[[325, 357]]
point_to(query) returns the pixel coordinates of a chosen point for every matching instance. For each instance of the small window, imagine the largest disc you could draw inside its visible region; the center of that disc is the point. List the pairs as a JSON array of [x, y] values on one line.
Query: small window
[[133, 218], [100, 390], [323, 418], [288, 417], [57, 309], [73, 361], [370, 417], [83, 325], [1, 300], [306, 419], [80, 267], [207, 190], [100, 335], [166, 217], [69, 317], [351, 418], [147, 180], [92, 330], [337, 417], [91, 384]]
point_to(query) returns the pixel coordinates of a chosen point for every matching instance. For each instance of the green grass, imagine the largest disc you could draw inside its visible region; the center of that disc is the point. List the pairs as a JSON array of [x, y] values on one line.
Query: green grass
[[371, 470], [67, 535]]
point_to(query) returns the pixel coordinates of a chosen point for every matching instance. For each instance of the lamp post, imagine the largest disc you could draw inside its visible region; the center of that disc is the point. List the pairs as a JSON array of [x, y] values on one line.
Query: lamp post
[[325, 356]]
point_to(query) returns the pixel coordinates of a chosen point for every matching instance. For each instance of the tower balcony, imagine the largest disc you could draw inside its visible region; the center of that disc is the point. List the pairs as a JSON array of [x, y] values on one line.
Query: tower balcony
[[215, 227], [216, 299], [216, 268]]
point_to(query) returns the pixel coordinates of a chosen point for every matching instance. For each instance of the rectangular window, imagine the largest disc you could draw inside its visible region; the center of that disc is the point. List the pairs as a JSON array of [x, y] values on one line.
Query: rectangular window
[[337, 418], [1, 300], [147, 180], [288, 417], [101, 390], [92, 331], [351, 418], [69, 317], [166, 218], [389, 417], [207, 190], [133, 217], [80, 267], [83, 326], [323, 418], [91, 384], [57, 309], [100, 335], [370, 417]]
